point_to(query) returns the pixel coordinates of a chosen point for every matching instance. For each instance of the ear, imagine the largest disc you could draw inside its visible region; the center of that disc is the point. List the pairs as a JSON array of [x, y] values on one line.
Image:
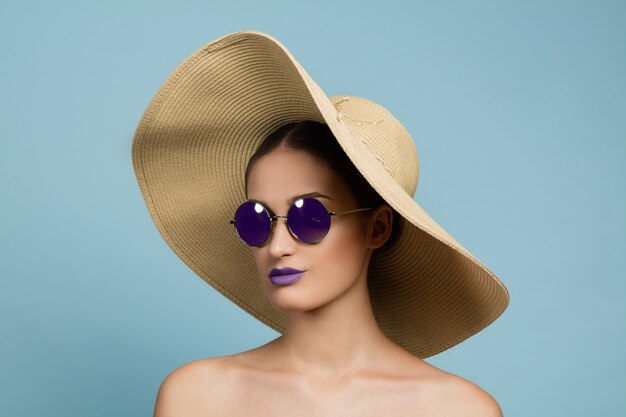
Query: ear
[[380, 226]]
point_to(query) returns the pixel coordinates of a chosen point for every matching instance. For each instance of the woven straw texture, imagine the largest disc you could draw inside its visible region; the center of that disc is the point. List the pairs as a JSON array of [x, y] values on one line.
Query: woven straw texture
[[190, 152]]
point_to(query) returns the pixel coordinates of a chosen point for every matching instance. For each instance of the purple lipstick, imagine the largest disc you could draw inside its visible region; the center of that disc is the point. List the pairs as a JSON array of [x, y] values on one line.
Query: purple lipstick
[[285, 276]]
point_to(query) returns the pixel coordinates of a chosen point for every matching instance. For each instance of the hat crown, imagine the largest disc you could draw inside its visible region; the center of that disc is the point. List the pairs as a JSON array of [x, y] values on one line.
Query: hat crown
[[383, 136]]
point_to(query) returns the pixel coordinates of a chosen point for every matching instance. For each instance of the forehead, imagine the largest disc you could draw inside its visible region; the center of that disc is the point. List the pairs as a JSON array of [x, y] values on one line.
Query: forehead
[[284, 173]]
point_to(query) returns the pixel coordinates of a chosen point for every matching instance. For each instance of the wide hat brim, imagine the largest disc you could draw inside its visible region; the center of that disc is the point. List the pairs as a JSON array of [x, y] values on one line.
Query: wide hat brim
[[190, 152]]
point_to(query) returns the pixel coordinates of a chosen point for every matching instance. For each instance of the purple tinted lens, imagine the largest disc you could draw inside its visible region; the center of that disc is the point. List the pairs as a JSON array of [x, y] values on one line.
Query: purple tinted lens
[[252, 223], [308, 219]]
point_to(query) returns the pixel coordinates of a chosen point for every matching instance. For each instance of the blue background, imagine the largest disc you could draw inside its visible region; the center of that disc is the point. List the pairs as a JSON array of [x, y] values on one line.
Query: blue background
[[518, 112]]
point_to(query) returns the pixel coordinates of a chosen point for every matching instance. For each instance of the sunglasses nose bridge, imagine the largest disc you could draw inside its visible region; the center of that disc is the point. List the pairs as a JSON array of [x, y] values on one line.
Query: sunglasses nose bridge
[[274, 220]]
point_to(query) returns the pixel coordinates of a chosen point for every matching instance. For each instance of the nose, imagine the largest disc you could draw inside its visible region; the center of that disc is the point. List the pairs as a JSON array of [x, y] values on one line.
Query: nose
[[281, 241]]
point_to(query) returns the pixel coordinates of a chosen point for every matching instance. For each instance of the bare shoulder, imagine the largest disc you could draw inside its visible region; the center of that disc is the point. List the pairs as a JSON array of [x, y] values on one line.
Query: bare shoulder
[[460, 397], [189, 389]]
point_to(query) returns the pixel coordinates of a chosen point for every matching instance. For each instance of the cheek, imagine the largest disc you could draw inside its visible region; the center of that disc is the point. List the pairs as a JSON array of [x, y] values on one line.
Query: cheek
[[334, 265], [262, 262], [257, 255], [340, 258]]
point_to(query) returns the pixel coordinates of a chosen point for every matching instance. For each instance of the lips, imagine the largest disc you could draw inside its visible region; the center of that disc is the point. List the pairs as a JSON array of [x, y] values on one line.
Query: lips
[[284, 271], [285, 276]]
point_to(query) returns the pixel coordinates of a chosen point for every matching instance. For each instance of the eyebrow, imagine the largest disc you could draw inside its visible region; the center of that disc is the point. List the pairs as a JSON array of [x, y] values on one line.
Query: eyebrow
[[293, 199]]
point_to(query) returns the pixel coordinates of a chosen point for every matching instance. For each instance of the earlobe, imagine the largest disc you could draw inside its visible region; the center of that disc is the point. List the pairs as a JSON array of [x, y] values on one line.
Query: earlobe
[[380, 226]]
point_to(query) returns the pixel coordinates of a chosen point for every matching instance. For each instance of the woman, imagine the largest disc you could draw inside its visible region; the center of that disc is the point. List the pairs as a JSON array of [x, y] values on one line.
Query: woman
[[297, 206]]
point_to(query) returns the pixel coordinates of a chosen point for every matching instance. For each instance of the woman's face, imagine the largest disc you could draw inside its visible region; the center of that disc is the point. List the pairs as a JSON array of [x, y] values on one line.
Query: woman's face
[[333, 264]]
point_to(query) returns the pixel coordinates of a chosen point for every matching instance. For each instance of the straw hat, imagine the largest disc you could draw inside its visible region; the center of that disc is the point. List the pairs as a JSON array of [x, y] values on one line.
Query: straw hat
[[190, 152]]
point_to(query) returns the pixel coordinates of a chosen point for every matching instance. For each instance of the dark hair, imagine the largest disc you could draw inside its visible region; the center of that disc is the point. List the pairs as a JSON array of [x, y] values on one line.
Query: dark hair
[[318, 140]]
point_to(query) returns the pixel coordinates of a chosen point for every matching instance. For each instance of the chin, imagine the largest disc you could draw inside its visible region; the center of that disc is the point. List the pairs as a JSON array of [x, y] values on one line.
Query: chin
[[287, 301]]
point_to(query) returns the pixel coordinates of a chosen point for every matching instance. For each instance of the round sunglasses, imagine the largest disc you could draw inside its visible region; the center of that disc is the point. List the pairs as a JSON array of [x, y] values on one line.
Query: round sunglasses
[[308, 220]]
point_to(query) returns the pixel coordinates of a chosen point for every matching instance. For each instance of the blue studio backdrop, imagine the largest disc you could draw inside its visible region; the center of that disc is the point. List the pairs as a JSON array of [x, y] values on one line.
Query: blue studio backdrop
[[517, 110]]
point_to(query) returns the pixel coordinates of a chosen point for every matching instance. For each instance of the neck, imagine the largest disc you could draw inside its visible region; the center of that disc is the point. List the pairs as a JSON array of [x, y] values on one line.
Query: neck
[[336, 340]]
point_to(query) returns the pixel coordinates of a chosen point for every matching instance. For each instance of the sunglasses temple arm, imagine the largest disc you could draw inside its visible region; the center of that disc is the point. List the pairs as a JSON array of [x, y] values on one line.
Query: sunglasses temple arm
[[334, 213]]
